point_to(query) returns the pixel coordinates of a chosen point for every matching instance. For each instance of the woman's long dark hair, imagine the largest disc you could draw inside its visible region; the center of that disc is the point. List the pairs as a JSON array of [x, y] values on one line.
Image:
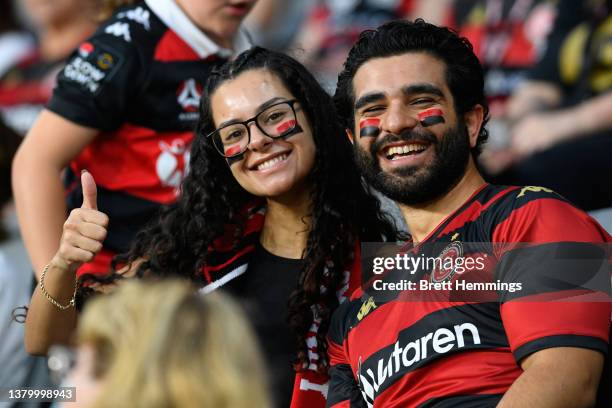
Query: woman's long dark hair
[[342, 209]]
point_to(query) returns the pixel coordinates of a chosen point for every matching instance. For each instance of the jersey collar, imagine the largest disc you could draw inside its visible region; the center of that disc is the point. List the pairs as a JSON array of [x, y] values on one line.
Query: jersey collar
[[174, 17]]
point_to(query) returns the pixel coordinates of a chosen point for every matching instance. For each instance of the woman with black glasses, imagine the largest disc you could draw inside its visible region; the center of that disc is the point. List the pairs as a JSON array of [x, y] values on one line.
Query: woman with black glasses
[[273, 209]]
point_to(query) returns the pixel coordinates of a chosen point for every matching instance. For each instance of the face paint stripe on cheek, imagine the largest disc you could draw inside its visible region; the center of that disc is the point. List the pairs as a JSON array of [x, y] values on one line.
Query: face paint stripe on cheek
[[369, 127], [431, 117], [297, 129], [232, 150], [285, 126], [234, 159]]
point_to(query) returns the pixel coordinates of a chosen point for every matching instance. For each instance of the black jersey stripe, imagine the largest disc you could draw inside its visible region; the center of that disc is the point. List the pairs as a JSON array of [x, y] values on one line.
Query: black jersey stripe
[[344, 392], [464, 401], [554, 267], [565, 340]]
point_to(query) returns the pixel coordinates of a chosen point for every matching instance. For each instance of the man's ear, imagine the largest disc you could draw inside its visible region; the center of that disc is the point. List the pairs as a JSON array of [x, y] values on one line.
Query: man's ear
[[473, 122], [349, 134]]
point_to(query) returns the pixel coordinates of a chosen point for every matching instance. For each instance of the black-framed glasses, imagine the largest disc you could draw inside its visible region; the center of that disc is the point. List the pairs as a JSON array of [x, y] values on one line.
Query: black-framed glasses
[[276, 121]]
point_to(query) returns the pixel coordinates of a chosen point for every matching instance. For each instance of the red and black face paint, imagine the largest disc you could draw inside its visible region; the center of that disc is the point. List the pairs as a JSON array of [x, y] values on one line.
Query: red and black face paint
[[234, 159], [230, 151], [285, 126], [431, 117], [287, 129], [369, 127]]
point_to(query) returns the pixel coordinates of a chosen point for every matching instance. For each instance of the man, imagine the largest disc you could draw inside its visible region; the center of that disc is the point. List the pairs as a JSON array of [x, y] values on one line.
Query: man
[[412, 98]]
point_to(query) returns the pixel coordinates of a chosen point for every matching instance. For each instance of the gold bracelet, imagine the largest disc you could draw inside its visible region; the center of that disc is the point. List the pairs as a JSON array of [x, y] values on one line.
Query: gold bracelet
[[48, 296]]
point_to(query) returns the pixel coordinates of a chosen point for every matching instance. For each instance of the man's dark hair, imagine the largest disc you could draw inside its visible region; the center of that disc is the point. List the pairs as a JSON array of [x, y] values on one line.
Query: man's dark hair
[[464, 74]]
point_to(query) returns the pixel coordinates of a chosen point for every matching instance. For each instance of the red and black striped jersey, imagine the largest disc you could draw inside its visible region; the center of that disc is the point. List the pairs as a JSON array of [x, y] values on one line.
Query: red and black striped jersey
[[138, 80], [446, 351]]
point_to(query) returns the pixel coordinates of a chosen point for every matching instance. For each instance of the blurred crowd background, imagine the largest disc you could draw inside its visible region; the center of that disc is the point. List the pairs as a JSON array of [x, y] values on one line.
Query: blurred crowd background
[[548, 79]]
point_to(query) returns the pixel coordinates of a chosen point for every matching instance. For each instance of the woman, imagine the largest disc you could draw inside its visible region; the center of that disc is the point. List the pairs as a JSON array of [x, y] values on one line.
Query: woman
[[273, 209], [161, 345]]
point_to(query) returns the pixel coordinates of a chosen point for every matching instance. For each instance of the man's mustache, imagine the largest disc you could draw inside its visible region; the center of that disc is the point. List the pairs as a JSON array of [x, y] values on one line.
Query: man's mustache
[[409, 135]]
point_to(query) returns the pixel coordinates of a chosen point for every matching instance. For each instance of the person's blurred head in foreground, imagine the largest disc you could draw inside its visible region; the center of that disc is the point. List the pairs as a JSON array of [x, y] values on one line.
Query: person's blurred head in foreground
[[162, 345]]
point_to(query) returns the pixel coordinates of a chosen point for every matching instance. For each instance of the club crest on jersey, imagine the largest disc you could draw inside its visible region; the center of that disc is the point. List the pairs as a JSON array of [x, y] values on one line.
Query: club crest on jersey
[[105, 61], [445, 269], [172, 163], [188, 94]]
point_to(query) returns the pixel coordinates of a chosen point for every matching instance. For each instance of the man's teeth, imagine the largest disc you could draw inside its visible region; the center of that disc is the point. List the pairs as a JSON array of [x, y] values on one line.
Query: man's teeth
[[269, 163], [405, 149]]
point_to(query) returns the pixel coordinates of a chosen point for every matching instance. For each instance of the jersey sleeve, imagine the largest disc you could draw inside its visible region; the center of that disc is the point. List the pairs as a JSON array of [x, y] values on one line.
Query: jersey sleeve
[[559, 256], [343, 388], [99, 82]]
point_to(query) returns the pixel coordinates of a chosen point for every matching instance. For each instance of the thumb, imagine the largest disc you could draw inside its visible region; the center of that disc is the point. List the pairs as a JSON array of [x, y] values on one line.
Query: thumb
[[90, 192]]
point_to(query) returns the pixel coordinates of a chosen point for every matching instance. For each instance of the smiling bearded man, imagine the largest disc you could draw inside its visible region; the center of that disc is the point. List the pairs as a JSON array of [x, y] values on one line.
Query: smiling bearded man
[[411, 184], [411, 96]]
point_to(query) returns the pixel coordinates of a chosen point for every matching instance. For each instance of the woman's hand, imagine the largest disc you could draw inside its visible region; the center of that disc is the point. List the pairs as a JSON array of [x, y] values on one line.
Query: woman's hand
[[84, 230]]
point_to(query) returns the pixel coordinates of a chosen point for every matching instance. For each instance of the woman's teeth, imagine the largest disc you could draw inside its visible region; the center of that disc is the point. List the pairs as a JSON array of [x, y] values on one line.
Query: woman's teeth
[[269, 163]]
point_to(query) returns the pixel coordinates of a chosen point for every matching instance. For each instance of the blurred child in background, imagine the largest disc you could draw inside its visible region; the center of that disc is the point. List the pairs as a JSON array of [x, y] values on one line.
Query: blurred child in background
[[124, 108]]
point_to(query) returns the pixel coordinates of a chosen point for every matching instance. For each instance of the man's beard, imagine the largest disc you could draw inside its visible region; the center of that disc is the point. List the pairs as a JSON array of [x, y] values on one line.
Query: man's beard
[[413, 185]]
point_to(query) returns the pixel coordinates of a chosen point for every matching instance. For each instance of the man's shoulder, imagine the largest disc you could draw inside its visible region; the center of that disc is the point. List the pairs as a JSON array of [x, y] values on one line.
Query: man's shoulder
[[500, 203], [514, 197], [525, 213]]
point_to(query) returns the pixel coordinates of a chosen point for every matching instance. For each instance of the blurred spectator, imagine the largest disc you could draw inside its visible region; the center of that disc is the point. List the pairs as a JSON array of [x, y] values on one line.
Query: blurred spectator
[[14, 42], [162, 345], [28, 77], [508, 37], [561, 119], [333, 26], [18, 369], [275, 23], [9, 141], [124, 108]]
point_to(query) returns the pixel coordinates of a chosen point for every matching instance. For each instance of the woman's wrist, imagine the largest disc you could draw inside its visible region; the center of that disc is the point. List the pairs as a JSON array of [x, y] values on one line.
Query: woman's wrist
[[56, 265], [60, 265]]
